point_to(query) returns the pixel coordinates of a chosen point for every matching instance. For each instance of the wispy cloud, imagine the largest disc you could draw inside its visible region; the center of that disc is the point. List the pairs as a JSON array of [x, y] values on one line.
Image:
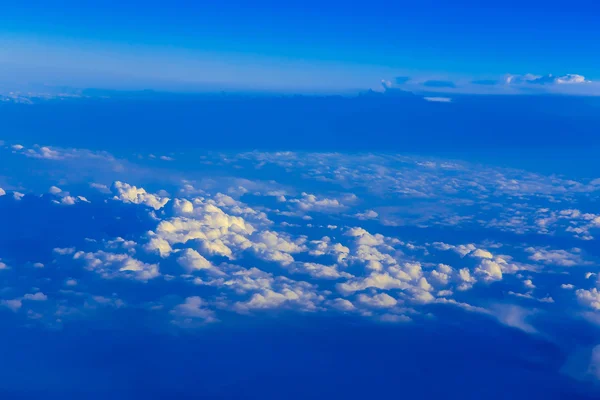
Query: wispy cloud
[[571, 84]]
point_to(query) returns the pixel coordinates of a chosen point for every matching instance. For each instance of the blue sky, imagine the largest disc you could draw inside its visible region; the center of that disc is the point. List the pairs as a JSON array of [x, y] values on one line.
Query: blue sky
[[297, 46]]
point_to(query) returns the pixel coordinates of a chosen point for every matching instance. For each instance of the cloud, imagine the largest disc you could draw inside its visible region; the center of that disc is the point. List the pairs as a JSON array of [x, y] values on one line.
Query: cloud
[[438, 99], [114, 265], [131, 194], [394, 318], [192, 261], [369, 214], [515, 317], [380, 300], [574, 84], [39, 296], [561, 258], [286, 294], [199, 255], [310, 202], [545, 79], [192, 313], [589, 298], [100, 187], [343, 305], [14, 304], [321, 271]]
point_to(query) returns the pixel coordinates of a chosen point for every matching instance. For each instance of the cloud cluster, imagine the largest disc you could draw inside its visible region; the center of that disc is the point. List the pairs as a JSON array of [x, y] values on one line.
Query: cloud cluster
[[382, 237]]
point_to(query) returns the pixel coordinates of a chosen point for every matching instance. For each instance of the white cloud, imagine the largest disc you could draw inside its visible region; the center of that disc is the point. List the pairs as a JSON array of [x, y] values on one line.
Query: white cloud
[[320, 271], [54, 190], [567, 286], [589, 298], [515, 317], [480, 253], [375, 280], [352, 269], [545, 79], [132, 194], [381, 300], [291, 294], [507, 84], [39, 296], [13, 305], [64, 251], [343, 305], [192, 313], [71, 282], [439, 99], [100, 187], [369, 214], [191, 261], [310, 202], [394, 318], [561, 258], [113, 265], [489, 270], [528, 284]]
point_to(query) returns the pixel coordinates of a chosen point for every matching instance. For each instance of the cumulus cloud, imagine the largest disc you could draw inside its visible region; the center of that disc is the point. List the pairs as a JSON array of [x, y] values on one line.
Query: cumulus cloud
[[321, 271], [369, 214], [380, 300], [490, 270], [39, 296], [236, 251], [589, 298], [343, 305], [192, 261], [561, 258], [114, 265], [309, 202], [286, 294], [131, 194]]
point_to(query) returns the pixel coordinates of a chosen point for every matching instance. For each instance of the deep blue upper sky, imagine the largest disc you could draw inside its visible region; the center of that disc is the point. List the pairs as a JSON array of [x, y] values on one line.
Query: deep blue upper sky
[[293, 45]]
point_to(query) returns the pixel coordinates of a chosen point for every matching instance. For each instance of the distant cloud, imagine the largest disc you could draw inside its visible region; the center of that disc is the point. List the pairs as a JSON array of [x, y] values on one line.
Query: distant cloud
[[573, 84], [439, 99], [545, 79]]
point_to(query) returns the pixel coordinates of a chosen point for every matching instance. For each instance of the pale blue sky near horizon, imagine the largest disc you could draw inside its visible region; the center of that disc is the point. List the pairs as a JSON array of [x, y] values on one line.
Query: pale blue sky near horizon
[[296, 46]]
